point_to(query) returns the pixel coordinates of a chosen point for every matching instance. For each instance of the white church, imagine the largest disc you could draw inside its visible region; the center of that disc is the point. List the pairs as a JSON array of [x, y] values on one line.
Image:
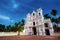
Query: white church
[[37, 25]]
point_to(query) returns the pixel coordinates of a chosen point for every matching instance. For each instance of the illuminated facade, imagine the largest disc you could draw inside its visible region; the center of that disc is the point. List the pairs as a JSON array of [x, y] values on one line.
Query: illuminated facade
[[37, 25]]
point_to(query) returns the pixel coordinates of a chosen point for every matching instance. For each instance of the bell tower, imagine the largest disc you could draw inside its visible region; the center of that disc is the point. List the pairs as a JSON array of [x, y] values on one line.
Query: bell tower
[[39, 12], [28, 16]]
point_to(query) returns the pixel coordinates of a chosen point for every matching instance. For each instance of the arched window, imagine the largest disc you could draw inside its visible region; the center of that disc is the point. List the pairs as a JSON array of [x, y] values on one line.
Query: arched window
[[34, 23], [33, 14], [46, 24], [39, 14]]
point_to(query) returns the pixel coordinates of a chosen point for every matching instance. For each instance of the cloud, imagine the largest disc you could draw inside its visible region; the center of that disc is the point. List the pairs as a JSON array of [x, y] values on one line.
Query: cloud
[[6, 18], [24, 19], [11, 21], [15, 5]]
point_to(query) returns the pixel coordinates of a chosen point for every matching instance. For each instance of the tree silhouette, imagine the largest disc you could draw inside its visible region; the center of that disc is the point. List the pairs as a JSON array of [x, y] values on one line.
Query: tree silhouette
[[20, 26], [46, 16], [2, 27], [54, 12], [53, 18]]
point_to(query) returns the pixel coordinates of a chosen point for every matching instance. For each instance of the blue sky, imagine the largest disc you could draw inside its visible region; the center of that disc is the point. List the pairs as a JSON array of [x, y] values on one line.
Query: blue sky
[[12, 11]]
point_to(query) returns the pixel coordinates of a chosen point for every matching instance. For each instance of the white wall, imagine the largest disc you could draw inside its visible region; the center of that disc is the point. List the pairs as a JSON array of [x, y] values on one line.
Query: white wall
[[8, 33]]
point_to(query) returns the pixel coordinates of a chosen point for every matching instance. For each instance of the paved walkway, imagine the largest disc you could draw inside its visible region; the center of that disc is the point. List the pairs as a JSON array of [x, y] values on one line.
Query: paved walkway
[[34, 37]]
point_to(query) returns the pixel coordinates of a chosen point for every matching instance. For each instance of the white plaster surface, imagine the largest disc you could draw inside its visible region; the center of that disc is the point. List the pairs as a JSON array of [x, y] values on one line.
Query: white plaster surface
[[8, 33]]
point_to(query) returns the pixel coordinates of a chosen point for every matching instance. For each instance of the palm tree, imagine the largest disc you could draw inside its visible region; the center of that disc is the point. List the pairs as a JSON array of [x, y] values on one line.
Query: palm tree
[[46, 16], [20, 26], [2, 27], [59, 19], [16, 27], [54, 12], [8, 28], [54, 19]]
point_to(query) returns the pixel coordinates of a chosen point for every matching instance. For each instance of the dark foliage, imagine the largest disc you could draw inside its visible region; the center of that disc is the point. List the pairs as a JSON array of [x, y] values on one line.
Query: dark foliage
[[54, 19], [16, 27]]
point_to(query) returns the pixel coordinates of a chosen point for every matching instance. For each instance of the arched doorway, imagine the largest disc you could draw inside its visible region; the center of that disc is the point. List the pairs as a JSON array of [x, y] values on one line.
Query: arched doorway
[[34, 30], [47, 32]]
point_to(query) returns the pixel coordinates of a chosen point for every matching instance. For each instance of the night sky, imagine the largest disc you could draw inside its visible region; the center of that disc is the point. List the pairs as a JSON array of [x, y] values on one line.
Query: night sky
[[12, 11]]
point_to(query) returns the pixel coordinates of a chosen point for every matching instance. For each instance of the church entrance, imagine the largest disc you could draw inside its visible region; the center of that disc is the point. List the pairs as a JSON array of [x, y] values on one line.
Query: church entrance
[[34, 30], [47, 31]]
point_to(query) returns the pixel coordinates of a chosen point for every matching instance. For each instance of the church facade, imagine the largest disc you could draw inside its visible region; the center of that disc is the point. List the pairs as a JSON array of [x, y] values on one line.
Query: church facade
[[37, 25]]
